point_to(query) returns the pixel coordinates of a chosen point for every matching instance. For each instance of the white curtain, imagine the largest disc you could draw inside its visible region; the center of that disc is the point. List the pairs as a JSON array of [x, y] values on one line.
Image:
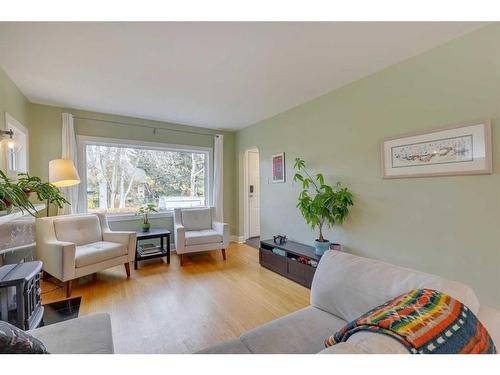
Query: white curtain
[[69, 151], [218, 180]]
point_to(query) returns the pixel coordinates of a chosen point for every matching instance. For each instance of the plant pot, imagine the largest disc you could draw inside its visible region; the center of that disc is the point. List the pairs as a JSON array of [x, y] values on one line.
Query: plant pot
[[146, 227], [321, 246]]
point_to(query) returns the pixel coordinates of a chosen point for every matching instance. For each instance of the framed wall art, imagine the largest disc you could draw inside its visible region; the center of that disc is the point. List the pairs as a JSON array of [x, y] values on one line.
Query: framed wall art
[[278, 167], [454, 150]]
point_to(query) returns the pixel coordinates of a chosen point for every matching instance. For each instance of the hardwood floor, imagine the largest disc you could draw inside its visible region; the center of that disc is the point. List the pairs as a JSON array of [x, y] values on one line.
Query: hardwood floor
[[168, 309]]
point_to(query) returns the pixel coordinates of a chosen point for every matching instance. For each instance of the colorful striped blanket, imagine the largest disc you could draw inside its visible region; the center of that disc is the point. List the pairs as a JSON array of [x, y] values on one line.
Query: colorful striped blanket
[[424, 321]]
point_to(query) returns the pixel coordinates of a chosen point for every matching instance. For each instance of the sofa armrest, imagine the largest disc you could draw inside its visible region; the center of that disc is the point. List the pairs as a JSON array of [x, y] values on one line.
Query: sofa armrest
[[179, 238], [126, 238], [89, 334], [223, 230], [58, 258], [490, 318]]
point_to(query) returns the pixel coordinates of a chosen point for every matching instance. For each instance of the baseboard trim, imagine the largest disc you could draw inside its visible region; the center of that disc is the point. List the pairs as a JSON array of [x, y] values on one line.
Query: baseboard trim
[[237, 239]]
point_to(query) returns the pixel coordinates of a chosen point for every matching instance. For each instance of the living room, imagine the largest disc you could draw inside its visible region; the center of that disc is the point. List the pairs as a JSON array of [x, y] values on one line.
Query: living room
[[250, 187]]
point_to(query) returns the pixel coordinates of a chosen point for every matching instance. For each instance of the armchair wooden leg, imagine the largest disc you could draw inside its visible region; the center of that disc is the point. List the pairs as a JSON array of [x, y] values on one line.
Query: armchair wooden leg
[[127, 269], [181, 257], [68, 288], [223, 254]]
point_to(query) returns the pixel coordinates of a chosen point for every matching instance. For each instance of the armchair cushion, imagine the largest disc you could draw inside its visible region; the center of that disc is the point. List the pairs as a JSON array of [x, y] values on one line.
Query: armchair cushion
[[78, 229], [197, 218], [97, 252], [201, 237]]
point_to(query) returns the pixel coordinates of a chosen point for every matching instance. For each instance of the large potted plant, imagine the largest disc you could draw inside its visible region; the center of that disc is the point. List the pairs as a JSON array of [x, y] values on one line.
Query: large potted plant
[[12, 195], [144, 210], [321, 204], [44, 191], [17, 193]]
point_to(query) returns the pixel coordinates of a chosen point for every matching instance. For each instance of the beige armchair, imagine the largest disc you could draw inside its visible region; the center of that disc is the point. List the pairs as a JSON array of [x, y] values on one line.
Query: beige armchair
[[195, 231], [72, 246]]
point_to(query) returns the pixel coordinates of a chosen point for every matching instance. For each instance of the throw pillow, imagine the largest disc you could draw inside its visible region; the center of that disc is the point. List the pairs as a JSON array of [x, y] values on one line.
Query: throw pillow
[[16, 341]]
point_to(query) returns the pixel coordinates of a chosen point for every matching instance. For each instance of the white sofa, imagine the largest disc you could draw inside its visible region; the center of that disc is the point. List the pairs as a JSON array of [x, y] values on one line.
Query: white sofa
[[72, 246], [196, 230], [344, 287]]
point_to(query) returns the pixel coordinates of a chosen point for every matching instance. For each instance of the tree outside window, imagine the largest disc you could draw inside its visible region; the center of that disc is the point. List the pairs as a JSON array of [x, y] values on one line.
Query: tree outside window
[[121, 179]]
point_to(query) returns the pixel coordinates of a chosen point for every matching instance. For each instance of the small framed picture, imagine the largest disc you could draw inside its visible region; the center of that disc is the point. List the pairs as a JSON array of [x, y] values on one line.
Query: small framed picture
[[451, 151], [278, 165]]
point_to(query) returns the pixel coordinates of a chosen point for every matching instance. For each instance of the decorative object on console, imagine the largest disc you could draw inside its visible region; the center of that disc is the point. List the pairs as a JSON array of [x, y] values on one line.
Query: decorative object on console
[[280, 239], [20, 294], [144, 210], [455, 150], [278, 167], [62, 173], [336, 246], [321, 204]]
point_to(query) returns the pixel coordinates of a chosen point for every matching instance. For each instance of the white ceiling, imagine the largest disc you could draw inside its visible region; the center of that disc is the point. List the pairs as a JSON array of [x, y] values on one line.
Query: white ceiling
[[215, 75]]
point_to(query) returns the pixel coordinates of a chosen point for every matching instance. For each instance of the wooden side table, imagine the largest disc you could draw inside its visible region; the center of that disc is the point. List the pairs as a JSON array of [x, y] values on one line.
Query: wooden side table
[[156, 252]]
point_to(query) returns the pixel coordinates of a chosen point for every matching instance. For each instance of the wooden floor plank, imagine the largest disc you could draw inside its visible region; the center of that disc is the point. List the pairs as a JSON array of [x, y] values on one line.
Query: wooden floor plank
[[171, 309]]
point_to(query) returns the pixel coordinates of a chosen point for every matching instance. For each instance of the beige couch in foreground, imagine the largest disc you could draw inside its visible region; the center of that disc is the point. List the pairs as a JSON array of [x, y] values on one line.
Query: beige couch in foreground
[[344, 287]]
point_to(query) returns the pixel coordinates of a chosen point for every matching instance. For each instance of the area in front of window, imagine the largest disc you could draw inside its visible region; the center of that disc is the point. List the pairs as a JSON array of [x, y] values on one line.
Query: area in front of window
[[121, 179]]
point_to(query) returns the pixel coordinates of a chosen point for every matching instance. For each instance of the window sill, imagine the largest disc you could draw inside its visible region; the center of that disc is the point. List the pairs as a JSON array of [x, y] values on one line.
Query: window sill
[[132, 217]]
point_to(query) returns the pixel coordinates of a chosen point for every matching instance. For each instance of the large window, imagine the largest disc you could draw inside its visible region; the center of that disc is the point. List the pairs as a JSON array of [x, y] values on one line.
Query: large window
[[122, 177]]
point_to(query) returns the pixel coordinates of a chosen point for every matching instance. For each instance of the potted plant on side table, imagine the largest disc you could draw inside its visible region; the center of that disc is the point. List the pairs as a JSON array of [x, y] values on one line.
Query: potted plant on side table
[[321, 204], [144, 210]]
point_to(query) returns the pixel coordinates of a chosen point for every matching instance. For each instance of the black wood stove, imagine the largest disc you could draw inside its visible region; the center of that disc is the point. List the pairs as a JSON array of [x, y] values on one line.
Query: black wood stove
[[20, 299]]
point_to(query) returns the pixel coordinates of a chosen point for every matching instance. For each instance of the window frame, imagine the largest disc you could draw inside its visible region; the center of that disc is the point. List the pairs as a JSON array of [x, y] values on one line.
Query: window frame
[[83, 141]]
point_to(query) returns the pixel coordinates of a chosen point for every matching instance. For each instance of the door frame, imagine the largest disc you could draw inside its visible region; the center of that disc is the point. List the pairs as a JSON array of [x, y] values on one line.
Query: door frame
[[246, 210]]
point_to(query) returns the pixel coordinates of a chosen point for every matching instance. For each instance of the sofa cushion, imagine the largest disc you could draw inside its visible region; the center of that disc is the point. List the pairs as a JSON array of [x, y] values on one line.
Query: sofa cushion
[[348, 286], [201, 237], [197, 218], [303, 331], [14, 340], [227, 347], [342, 348], [89, 334], [80, 230], [97, 252]]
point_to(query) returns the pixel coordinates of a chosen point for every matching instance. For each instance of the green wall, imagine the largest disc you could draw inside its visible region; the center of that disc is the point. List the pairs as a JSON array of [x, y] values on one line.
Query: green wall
[[12, 101], [45, 145], [443, 225]]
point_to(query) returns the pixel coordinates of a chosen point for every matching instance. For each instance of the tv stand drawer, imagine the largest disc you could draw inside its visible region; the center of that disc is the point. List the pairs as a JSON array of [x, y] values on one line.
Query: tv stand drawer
[[272, 261]]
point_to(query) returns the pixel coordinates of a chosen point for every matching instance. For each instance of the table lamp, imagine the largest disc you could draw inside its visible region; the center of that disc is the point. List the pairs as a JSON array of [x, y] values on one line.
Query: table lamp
[[62, 173]]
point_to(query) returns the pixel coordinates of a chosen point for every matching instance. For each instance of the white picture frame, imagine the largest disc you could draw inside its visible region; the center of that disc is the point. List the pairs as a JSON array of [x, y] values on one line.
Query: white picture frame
[[456, 150], [278, 172]]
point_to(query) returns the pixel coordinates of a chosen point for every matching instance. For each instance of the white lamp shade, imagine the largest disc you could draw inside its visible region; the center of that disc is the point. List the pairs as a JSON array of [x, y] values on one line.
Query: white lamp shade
[[62, 172]]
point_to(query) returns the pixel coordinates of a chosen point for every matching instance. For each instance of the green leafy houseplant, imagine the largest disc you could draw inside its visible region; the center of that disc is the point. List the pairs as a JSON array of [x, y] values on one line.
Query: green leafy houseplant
[[144, 210], [44, 191], [321, 204], [12, 195]]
